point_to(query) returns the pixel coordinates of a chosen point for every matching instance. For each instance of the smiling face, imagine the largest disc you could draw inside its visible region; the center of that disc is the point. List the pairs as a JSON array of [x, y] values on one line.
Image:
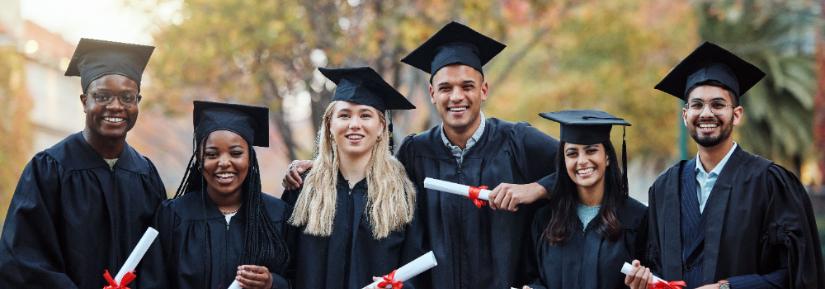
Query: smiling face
[[457, 91], [355, 128], [586, 164], [114, 119], [225, 161], [710, 115]]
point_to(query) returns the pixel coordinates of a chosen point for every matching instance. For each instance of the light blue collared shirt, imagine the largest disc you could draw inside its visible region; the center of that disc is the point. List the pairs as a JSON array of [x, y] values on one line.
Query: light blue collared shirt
[[587, 213], [457, 152], [706, 180]]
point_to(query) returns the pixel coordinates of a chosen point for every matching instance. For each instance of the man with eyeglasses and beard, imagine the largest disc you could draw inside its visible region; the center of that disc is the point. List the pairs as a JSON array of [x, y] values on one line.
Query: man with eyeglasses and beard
[[81, 206], [726, 218]]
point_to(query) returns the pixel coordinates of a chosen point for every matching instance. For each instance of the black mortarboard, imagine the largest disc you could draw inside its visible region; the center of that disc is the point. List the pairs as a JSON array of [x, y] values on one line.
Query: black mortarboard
[[454, 44], [250, 122], [95, 58], [586, 127], [362, 85], [710, 63]]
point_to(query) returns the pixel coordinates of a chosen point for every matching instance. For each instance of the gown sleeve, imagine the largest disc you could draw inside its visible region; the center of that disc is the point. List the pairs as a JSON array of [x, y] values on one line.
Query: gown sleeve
[[30, 253], [652, 252], [536, 232], [405, 155], [165, 222], [282, 280], [791, 225], [536, 155]]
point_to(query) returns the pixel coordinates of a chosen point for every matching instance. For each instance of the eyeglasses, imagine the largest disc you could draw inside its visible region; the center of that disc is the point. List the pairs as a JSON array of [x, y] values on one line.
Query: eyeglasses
[[716, 106], [106, 98]]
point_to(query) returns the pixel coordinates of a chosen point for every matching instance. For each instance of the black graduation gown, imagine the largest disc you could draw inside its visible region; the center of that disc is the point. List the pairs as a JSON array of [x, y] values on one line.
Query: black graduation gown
[[197, 250], [479, 247], [350, 256], [71, 217], [759, 217], [587, 260]]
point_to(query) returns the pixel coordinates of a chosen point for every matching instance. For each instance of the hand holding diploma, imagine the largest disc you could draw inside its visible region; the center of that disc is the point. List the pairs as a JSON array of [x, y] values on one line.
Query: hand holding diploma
[[639, 277], [126, 273], [252, 276], [479, 195], [395, 278]]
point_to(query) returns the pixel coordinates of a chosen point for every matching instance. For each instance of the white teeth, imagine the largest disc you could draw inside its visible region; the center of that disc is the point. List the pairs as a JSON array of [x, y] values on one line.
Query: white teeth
[[225, 175], [584, 171], [707, 125], [355, 137], [113, 119], [463, 108]]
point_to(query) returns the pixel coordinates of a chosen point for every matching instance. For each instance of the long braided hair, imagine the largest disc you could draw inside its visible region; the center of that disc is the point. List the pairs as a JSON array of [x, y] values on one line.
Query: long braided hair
[[263, 244]]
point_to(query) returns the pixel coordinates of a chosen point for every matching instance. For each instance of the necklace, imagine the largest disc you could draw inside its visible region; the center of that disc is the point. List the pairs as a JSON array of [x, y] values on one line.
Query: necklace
[[229, 212]]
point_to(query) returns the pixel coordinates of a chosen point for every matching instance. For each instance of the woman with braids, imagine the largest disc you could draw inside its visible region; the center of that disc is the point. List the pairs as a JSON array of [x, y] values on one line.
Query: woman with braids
[[591, 226], [220, 227], [353, 216]]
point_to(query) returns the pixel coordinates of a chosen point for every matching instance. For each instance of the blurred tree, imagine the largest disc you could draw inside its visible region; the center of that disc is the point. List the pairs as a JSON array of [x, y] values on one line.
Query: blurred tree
[[607, 56], [267, 52], [819, 102], [778, 37], [16, 128]]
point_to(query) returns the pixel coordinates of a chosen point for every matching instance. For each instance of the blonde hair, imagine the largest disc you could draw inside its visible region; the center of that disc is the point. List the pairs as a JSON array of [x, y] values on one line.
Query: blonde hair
[[390, 193]]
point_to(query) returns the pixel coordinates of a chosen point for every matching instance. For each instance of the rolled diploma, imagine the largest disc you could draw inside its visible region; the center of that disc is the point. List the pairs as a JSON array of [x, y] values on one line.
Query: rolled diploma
[[453, 188], [235, 285], [626, 267], [411, 269], [137, 253]]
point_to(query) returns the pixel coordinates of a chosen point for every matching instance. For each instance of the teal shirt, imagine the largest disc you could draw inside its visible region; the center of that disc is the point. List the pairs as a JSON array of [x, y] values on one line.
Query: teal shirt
[[587, 214]]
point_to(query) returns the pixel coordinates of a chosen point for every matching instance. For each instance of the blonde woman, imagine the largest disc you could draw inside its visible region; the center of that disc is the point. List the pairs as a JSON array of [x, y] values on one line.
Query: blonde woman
[[353, 216]]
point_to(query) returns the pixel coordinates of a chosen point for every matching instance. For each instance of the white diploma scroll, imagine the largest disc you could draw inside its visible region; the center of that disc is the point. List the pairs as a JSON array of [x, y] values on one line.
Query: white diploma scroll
[[453, 188], [137, 253], [411, 269], [235, 285], [626, 267]]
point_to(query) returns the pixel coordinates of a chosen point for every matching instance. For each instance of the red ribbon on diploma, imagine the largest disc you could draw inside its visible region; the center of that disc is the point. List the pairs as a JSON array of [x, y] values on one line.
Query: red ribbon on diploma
[[389, 279], [474, 196], [667, 285], [113, 285]]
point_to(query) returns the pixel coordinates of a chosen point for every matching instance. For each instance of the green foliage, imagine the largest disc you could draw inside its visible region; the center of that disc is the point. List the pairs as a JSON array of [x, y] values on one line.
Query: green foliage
[[776, 36], [561, 55], [605, 55], [16, 128]]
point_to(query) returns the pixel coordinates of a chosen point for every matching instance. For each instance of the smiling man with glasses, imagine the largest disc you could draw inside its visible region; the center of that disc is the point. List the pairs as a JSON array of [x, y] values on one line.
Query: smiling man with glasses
[[726, 218], [82, 205]]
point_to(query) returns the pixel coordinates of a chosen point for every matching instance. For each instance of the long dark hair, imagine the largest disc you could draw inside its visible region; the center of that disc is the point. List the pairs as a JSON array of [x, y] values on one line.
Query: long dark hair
[[263, 244], [565, 199]]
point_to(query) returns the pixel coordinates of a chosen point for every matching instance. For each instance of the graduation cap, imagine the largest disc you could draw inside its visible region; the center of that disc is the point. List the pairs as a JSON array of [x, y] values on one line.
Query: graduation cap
[[584, 127], [362, 85], [250, 122], [587, 127], [455, 43], [95, 58], [710, 63]]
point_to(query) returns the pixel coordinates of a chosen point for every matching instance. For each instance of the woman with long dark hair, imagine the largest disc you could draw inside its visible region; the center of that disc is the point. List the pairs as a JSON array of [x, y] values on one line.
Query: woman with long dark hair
[[591, 226], [220, 227]]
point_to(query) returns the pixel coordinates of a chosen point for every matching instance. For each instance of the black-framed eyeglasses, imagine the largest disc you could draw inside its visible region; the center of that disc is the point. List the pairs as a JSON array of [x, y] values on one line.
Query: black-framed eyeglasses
[[715, 106], [105, 98]]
